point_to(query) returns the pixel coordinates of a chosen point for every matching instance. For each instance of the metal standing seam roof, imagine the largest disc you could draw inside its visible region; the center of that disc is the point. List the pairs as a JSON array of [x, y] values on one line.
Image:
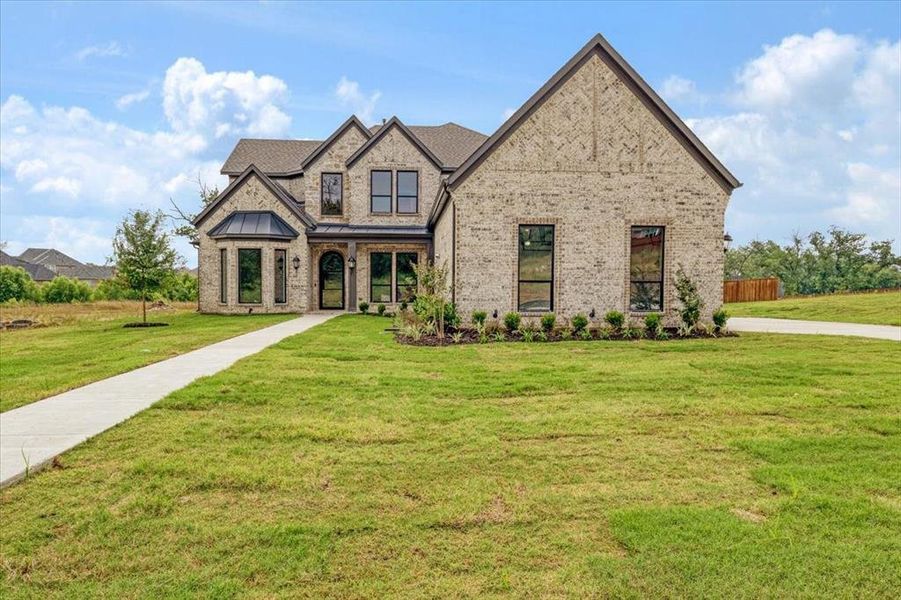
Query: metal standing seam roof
[[386, 231], [261, 224]]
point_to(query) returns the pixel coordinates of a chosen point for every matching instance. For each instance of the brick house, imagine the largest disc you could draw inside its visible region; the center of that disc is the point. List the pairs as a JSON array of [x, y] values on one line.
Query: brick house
[[589, 197]]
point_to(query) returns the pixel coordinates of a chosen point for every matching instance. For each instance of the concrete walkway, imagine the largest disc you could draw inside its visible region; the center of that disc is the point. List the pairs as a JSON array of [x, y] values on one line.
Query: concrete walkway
[[879, 332], [31, 435]]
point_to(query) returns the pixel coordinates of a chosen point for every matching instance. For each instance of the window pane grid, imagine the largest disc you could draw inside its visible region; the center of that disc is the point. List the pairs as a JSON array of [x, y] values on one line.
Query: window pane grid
[[380, 277], [646, 268], [250, 276], [281, 280], [407, 191], [536, 268], [332, 193], [380, 191]]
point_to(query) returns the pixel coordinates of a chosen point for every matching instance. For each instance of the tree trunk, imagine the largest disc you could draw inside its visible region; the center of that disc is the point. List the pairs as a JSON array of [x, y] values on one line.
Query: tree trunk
[[144, 306]]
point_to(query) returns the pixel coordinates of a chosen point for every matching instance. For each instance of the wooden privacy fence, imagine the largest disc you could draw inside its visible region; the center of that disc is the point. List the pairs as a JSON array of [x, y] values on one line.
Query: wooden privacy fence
[[751, 290]]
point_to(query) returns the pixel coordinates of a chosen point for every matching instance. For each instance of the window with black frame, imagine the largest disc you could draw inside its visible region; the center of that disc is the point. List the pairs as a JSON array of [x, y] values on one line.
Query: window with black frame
[[536, 268], [280, 274], [646, 268], [332, 194], [407, 192], [406, 276], [223, 275], [380, 191], [380, 277], [250, 276]]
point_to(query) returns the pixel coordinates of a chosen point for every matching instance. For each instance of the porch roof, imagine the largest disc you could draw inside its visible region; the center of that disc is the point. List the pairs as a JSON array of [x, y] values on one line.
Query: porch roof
[[253, 224], [337, 232]]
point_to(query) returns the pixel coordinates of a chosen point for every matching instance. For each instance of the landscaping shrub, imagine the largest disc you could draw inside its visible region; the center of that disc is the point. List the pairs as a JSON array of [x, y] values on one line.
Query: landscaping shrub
[[579, 323], [547, 322], [585, 334], [364, 307], [653, 323], [615, 319], [403, 305], [428, 309], [512, 321], [114, 289], [687, 293], [479, 317], [380, 309], [720, 316], [16, 284], [181, 287], [62, 290]]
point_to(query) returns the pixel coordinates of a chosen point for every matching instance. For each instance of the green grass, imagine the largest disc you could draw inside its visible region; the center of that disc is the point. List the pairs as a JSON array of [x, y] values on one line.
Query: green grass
[[340, 464], [878, 308], [40, 362]]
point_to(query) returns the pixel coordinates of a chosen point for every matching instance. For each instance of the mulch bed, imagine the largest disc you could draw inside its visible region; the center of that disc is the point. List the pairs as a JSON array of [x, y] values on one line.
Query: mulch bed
[[148, 324], [471, 336]]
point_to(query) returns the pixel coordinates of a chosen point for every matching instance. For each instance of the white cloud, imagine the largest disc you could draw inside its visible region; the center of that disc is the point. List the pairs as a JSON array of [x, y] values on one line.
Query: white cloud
[[348, 94], [108, 49], [676, 89], [65, 162], [128, 99], [508, 112], [816, 138], [200, 102]]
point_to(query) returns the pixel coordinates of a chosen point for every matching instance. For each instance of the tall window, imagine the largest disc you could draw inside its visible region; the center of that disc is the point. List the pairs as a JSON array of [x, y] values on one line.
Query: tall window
[[407, 191], [380, 277], [280, 285], [250, 276], [223, 275], [646, 269], [405, 276], [380, 191], [536, 267], [332, 193]]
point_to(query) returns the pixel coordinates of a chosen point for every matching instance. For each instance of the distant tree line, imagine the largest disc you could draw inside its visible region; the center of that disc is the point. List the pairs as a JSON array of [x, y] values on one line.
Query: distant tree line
[[838, 261], [146, 269]]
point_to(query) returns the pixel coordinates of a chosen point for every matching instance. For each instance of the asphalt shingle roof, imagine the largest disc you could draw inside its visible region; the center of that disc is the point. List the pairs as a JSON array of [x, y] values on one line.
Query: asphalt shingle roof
[[63, 264], [273, 157], [451, 143], [36, 272]]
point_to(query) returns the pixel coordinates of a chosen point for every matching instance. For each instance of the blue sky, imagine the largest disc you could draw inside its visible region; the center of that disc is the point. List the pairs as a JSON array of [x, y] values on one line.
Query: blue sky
[[108, 107]]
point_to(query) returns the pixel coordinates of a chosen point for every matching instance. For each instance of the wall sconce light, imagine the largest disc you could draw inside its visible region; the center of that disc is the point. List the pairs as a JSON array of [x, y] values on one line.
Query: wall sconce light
[[727, 241], [351, 262], [296, 262]]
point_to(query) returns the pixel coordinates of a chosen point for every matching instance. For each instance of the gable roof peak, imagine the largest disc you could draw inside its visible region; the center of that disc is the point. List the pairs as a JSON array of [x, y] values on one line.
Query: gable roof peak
[[351, 121], [393, 122], [598, 44]]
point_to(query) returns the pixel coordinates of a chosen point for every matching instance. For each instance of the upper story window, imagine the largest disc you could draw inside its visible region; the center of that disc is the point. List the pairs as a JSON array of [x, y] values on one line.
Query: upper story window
[[646, 268], [332, 194], [380, 191], [407, 192]]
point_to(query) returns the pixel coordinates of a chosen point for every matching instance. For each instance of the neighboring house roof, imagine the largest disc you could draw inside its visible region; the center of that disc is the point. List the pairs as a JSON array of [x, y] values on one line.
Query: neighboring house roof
[[35, 271], [48, 257], [279, 158], [280, 192], [392, 123], [257, 224], [353, 121], [636, 84], [63, 264]]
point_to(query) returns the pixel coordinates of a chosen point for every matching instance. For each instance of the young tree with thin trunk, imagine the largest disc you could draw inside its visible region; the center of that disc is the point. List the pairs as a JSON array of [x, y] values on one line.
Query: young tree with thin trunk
[[143, 254]]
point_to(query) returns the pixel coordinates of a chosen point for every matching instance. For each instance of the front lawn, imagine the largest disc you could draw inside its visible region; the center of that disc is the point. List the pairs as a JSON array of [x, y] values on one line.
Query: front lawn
[[876, 308], [85, 343], [339, 463]]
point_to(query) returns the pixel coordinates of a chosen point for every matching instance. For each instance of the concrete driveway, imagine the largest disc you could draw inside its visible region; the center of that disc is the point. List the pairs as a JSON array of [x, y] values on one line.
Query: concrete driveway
[[31, 435], [758, 324]]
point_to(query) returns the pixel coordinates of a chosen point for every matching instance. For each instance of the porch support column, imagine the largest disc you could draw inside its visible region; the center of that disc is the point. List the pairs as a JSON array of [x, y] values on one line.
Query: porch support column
[[352, 278]]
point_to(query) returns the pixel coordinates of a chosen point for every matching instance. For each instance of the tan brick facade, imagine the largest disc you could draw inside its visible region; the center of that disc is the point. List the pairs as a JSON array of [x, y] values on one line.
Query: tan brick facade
[[252, 195], [592, 160]]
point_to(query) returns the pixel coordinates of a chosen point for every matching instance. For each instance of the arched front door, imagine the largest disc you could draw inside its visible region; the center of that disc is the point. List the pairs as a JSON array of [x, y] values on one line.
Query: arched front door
[[331, 280]]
